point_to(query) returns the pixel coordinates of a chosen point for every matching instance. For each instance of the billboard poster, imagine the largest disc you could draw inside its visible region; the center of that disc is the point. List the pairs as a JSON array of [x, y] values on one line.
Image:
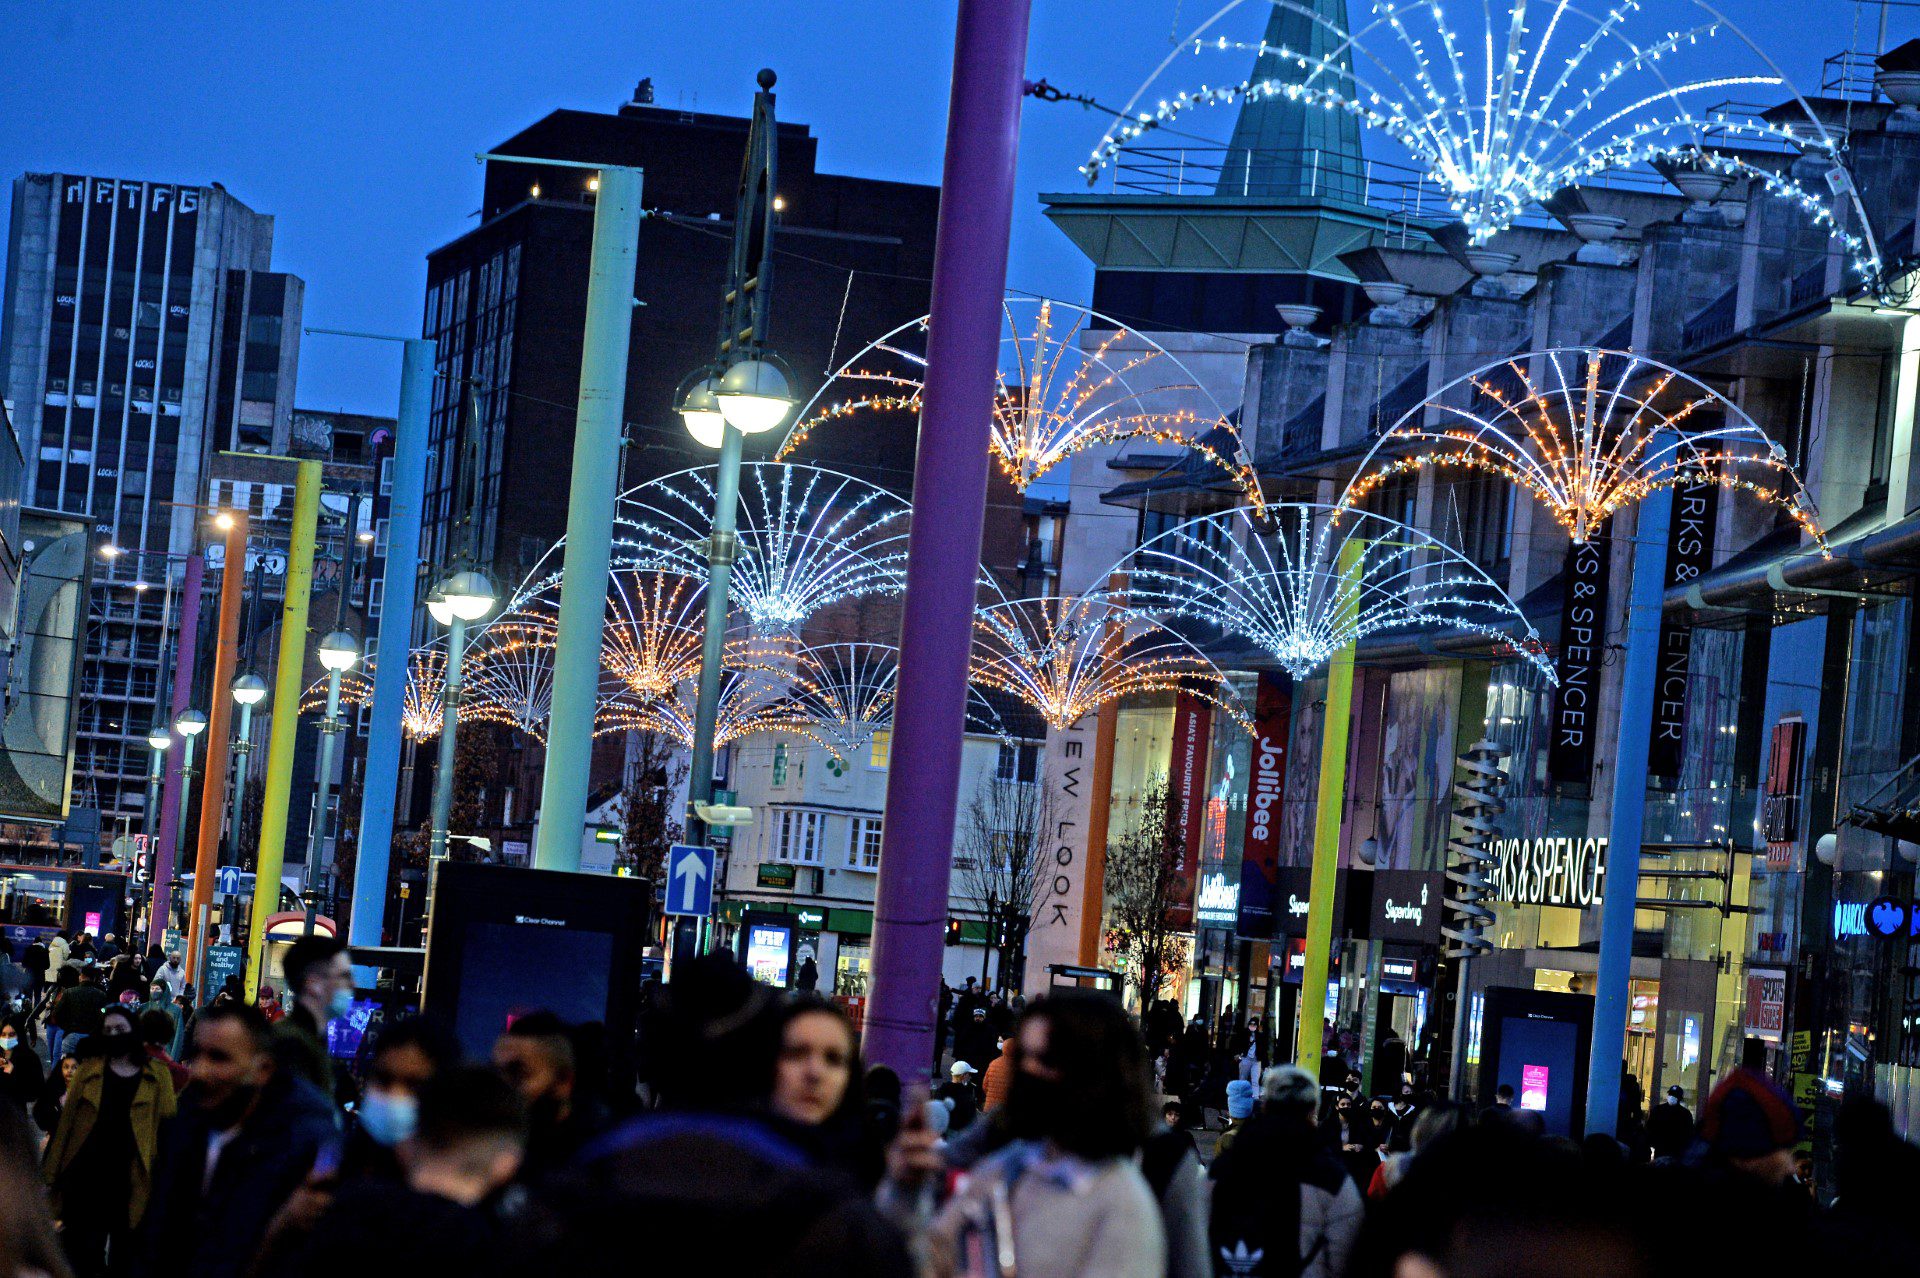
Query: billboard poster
[[1187, 792], [1266, 788], [1416, 766], [1689, 553], [1766, 1003], [1583, 630]]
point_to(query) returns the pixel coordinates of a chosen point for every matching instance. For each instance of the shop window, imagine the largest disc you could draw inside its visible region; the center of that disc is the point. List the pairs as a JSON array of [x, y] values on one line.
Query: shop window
[[881, 749]]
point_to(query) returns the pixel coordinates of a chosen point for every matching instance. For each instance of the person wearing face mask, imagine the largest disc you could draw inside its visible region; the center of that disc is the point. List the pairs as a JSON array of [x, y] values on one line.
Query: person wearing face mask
[[247, 1135], [1066, 1198], [452, 1211], [100, 1162], [320, 980], [172, 975], [21, 1076]]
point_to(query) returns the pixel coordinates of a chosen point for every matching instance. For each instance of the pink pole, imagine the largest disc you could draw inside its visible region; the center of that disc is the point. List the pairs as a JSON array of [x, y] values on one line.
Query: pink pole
[[170, 792], [943, 550]]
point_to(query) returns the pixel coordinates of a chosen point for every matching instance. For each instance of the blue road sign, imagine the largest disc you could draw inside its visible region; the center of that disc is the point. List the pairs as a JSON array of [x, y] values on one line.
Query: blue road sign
[[689, 887], [226, 880]]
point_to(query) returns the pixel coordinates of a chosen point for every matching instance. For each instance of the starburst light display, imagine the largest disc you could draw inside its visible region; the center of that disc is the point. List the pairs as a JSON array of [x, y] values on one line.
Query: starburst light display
[[846, 691], [1068, 656], [1069, 378], [1587, 432], [1501, 116], [757, 694], [507, 677], [809, 538], [1319, 580], [654, 626], [420, 708]]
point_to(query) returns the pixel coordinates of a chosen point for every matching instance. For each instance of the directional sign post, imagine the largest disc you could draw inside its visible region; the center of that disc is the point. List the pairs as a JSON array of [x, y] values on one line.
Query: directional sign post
[[689, 888], [227, 880]]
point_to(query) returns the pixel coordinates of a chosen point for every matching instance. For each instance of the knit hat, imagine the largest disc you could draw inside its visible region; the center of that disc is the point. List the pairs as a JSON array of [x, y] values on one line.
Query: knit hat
[[1289, 1085], [1239, 1099], [939, 1116], [1748, 1115]]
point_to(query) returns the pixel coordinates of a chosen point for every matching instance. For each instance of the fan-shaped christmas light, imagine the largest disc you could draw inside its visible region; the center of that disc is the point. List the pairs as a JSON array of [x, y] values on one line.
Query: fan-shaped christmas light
[[846, 691], [1070, 378], [1587, 432], [654, 624], [508, 673], [1499, 117], [1068, 656], [808, 538], [420, 708], [757, 694], [1321, 579]]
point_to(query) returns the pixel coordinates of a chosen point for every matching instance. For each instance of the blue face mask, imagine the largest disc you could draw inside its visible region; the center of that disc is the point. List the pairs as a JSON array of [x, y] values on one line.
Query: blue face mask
[[340, 1004], [8, 1044], [388, 1118]]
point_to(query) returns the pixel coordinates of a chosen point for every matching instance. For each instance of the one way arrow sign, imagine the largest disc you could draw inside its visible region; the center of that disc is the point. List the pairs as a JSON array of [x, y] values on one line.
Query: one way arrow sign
[[689, 880]]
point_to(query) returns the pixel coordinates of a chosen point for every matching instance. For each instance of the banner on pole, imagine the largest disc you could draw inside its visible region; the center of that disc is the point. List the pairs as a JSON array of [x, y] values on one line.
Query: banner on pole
[[1689, 553], [1266, 787], [1187, 793], [1583, 628]]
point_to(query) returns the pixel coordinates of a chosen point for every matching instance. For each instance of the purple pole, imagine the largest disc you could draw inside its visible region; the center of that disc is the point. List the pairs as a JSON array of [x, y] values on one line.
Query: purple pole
[[170, 793], [943, 550]]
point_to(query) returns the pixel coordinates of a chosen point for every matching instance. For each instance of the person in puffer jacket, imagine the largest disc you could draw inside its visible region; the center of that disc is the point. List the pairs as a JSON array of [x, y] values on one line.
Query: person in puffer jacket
[[1283, 1204]]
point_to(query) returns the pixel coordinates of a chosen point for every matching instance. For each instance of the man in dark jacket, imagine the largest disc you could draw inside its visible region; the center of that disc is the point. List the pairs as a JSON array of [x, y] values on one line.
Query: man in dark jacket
[[707, 1166], [247, 1134], [320, 981], [1282, 1201]]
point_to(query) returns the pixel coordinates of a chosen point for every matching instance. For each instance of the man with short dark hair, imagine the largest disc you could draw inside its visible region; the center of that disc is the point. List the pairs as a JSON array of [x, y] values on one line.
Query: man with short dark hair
[[321, 984], [446, 1217], [1283, 1202], [247, 1134], [536, 1055]]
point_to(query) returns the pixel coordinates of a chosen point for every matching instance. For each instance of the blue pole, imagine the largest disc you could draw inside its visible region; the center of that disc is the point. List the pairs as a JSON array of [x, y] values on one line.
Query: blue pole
[[396, 639], [1626, 830]]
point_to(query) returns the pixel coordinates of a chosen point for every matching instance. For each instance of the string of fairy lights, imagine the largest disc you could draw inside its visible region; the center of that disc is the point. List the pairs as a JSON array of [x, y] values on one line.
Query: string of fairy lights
[[1587, 432], [1556, 96], [1070, 379], [1319, 580]]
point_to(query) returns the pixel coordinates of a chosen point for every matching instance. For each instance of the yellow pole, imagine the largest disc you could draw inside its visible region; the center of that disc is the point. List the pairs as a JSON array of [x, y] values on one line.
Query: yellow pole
[[1326, 822], [286, 717]]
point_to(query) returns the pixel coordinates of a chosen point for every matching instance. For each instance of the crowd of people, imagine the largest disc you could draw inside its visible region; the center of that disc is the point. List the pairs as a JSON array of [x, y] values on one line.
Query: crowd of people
[[1064, 1139]]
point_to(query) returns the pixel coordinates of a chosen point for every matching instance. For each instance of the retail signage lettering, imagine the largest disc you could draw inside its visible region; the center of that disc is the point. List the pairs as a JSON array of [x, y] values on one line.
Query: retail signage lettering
[[1187, 784], [1219, 900], [1689, 553], [1550, 871], [1406, 905], [1766, 1002], [1780, 800], [1583, 626], [1266, 783]]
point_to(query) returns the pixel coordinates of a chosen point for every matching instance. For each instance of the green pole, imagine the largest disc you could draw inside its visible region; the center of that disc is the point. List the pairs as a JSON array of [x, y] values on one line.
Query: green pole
[[590, 509], [722, 549], [1326, 823], [290, 666]]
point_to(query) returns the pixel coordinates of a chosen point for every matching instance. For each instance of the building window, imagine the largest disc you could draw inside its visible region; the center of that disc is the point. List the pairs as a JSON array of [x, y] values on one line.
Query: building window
[[1019, 761], [779, 763], [381, 531], [796, 837], [881, 749], [863, 849], [386, 476], [376, 594]]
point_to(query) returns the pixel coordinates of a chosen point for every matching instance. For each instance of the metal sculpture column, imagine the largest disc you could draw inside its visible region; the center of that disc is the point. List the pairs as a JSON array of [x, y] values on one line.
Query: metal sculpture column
[[943, 556], [590, 506], [1328, 806], [375, 851], [1627, 824]]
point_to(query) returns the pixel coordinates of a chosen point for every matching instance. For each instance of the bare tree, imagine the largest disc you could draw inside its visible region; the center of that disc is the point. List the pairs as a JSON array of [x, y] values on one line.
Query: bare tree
[[1004, 839], [648, 823], [1143, 879]]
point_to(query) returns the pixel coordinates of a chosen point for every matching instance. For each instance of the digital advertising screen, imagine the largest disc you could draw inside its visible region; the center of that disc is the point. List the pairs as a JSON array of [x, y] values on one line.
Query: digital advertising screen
[[769, 947], [1536, 1042], [506, 941]]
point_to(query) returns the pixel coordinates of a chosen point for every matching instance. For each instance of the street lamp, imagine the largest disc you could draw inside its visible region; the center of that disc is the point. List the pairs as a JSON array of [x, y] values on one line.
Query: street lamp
[[754, 396], [189, 725], [249, 690], [465, 596], [158, 740], [339, 652], [701, 412]]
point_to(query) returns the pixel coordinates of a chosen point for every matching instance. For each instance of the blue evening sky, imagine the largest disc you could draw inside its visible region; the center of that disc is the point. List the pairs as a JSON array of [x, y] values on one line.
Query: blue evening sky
[[355, 123]]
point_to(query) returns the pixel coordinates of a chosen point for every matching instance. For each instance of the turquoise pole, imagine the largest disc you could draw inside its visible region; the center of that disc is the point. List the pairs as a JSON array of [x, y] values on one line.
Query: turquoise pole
[[590, 509], [722, 549]]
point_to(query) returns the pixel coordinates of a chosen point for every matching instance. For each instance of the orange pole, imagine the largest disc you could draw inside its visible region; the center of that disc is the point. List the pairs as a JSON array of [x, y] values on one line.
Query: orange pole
[[213, 806], [1093, 903]]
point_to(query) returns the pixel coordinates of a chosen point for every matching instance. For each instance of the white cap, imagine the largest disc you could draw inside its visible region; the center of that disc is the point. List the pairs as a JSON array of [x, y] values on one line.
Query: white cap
[[961, 1067]]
